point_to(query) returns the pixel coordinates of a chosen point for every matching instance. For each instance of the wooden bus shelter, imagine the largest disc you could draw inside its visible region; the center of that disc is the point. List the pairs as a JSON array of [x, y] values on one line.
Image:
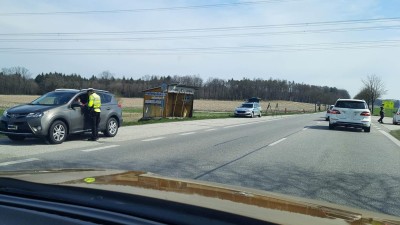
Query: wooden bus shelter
[[168, 100]]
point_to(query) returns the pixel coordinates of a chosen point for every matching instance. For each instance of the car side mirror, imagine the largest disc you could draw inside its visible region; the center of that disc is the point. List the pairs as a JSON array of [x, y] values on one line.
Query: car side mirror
[[75, 105]]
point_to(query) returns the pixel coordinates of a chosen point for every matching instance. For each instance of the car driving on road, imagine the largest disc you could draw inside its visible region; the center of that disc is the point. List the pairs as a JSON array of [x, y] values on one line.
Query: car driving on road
[[396, 117], [328, 112], [57, 114], [249, 109], [350, 113]]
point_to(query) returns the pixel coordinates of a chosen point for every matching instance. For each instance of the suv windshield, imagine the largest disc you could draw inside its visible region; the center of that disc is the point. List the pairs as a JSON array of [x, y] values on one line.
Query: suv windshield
[[54, 98], [351, 105]]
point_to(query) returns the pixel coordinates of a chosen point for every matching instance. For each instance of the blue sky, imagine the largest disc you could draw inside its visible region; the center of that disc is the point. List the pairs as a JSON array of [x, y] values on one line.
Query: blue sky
[[328, 43]]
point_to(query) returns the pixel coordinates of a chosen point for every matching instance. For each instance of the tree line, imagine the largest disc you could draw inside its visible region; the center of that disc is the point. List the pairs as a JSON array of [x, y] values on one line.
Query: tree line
[[17, 80]]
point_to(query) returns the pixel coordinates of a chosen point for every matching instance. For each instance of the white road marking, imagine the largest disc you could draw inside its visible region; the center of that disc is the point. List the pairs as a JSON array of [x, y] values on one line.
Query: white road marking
[[18, 161], [153, 139], [397, 142], [99, 148], [276, 142], [237, 125], [187, 133], [210, 129]]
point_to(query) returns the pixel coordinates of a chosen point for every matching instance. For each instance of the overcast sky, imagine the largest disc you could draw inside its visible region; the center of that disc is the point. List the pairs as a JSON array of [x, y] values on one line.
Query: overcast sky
[[335, 43]]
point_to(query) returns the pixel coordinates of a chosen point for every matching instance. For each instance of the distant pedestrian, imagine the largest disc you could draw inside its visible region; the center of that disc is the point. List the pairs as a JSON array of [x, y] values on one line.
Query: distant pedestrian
[[382, 114]]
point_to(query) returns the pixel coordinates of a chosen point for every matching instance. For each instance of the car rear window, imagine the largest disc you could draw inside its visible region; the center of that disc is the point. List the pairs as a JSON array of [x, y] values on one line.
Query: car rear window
[[351, 104], [105, 98]]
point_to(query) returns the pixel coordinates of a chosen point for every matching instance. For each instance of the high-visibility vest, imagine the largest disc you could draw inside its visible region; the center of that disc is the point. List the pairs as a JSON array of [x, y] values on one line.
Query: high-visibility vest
[[95, 102]]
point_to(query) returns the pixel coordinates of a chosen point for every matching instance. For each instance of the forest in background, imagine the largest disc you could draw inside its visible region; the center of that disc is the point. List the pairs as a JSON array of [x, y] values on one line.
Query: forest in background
[[19, 81]]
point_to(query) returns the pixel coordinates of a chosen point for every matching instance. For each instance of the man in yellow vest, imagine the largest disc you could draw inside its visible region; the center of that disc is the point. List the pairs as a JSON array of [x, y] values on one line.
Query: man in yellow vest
[[94, 105]]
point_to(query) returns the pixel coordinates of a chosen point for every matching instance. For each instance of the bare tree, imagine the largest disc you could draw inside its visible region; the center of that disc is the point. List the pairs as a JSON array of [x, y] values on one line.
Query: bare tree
[[374, 88], [365, 95]]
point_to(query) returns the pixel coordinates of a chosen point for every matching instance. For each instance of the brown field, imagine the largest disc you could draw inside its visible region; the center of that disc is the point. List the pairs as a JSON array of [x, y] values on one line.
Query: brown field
[[199, 105]]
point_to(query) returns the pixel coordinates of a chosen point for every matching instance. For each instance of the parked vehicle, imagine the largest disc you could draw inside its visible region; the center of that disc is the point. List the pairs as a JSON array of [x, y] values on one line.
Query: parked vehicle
[[328, 112], [250, 109], [350, 113], [396, 117], [57, 114]]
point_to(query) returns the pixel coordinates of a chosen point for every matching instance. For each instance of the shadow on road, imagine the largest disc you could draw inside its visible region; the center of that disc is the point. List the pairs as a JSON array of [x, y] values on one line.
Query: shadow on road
[[326, 127], [42, 141]]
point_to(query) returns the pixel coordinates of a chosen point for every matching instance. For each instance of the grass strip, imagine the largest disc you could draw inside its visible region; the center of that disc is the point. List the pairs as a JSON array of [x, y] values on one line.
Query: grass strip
[[396, 134]]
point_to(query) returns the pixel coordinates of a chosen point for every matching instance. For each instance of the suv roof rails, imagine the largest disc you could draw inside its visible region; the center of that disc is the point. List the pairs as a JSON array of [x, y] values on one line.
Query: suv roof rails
[[85, 89], [66, 89]]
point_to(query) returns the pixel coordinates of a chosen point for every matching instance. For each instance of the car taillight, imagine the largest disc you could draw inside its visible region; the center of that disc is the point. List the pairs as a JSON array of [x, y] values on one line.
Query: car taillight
[[335, 111], [365, 114], [119, 105]]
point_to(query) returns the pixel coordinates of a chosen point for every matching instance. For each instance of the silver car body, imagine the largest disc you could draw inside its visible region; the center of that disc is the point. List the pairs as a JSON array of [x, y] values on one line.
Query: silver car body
[[396, 117], [35, 119], [249, 109]]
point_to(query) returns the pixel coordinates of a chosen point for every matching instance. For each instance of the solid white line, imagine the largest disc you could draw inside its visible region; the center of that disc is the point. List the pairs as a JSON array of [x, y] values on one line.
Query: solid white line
[[99, 148], [153, 139], [187, 133], [397, 142], [18, 161], [276, 142]]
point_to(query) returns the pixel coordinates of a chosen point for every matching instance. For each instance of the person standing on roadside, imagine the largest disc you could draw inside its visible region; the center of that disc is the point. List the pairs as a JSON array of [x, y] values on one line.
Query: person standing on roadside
[[382, 114], [94, 105]]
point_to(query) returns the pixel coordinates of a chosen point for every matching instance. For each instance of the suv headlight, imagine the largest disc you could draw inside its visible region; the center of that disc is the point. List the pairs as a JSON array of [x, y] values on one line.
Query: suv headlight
[[35, 115], [5, 113]]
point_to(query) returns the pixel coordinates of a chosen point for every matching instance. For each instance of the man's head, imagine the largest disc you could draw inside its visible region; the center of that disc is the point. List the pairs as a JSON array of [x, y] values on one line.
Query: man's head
[[90, 91]]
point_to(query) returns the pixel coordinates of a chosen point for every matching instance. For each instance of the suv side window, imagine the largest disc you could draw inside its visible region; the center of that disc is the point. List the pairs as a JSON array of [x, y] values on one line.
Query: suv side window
[[105, 98]]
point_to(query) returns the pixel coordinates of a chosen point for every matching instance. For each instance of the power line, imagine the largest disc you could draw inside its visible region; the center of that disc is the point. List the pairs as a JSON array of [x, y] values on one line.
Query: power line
[[209, 50], [146, 9], [229, 35], [215, 29]]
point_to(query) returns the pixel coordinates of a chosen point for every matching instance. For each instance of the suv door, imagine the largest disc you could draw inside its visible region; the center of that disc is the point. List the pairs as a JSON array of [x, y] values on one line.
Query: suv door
[[78, 121], [106, 109]]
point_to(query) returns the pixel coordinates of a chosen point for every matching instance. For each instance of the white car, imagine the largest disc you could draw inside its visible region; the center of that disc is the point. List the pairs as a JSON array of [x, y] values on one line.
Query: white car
[[396, 117], [328, 112], [350, 113]]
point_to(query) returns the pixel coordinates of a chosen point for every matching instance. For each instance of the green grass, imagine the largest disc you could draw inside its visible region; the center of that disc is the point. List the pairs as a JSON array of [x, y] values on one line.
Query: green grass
[[388, 112], [396, 134], [132, 110]]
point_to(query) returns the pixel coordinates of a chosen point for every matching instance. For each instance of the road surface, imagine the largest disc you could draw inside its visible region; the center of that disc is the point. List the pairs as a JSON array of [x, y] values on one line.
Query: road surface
[[296, 155]]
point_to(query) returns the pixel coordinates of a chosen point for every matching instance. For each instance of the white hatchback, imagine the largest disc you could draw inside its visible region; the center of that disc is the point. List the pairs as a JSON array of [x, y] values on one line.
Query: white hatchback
[[350, 113], [396, 117]]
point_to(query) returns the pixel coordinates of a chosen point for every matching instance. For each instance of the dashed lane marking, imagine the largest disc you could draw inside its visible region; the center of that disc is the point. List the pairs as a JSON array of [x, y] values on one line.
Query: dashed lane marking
[[18, 161], [154, 139], [99, 148], [187, 133], [276, 142]]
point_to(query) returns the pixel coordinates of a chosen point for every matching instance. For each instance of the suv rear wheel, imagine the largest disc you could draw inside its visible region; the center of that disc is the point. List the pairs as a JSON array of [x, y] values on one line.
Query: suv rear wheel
[[331, 127], [367, 129], [57, 132], [111, 127]]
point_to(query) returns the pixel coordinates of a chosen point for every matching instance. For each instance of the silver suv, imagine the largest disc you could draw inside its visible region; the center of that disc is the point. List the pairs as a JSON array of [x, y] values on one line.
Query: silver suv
[[350, 113], [56, 115]]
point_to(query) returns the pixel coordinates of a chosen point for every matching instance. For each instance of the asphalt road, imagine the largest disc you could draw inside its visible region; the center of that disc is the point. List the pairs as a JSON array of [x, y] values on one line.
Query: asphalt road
[[296, 155]]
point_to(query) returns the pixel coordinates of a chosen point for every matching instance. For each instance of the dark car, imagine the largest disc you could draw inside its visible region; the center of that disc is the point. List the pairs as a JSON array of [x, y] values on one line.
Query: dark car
[[57, 114]]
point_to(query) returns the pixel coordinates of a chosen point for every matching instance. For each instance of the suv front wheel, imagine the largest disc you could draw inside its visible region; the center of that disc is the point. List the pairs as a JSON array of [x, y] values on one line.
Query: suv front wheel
[[57, 132], [111, 127]]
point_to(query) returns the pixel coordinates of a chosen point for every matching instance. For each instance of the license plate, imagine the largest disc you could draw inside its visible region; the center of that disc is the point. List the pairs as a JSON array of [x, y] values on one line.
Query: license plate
[[12, 127]]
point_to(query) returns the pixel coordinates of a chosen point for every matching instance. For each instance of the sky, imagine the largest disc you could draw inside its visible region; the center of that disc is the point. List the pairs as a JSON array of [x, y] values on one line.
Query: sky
[[318, 42]]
